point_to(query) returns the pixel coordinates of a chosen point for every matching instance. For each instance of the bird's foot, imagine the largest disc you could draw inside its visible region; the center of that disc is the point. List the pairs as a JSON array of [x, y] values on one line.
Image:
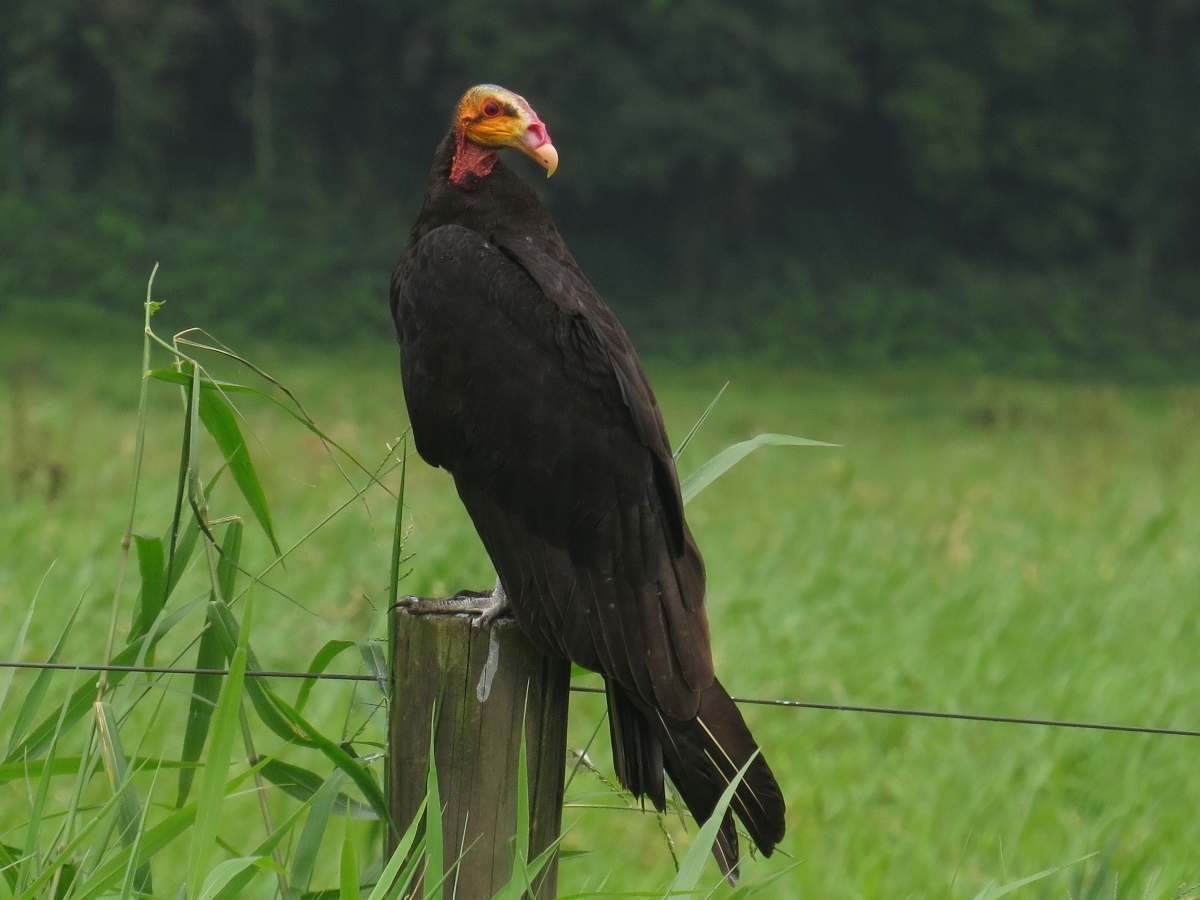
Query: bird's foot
[[484, 606]]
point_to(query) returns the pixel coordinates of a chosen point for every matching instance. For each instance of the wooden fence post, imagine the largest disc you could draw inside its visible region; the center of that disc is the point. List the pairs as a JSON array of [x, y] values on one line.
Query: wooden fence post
[[483, 682]]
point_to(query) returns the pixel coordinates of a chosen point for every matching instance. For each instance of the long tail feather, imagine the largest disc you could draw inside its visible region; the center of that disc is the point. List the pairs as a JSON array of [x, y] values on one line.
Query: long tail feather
[[702, 756]]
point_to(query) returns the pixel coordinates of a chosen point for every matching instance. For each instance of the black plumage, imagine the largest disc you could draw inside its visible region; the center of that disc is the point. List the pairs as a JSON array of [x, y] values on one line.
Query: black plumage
[[522, 384]]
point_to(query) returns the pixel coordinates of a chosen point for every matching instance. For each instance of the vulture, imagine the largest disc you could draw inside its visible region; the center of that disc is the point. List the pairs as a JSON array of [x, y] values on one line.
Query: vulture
[[522, 385]]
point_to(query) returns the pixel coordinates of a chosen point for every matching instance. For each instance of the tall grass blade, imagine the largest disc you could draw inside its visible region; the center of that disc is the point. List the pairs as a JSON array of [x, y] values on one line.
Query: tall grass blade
[[33, 825], [37, 693], [236, 885], [700, 421], [434, 865], [135, 874], [36, 888], [153, 841], [10, 858], [398, 535], [524, 871], [82, 699], [692, 867], [222, 424], [150, 307], [6, 676], [390, 882], [994, 892], [348, 870], [212, 786], [304, 858], [116, 766], [732, 455], [758, 886]]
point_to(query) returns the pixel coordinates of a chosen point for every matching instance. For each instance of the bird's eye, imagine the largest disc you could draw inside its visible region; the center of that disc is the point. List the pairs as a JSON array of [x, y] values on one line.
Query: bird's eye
[[491, 108]]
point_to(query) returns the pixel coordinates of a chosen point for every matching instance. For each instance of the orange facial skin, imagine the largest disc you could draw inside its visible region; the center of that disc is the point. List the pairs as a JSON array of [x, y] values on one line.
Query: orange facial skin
[[490, 118]]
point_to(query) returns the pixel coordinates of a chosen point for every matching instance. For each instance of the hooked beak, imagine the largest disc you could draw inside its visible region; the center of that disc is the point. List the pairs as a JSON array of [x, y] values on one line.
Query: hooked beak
[[535, 143]]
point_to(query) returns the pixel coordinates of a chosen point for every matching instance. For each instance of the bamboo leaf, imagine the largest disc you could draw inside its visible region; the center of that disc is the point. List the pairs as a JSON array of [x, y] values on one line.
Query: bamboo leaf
[[184, 547], [205, 691], [209, 655], [224, 873], [264, 700], [221, 423], [320, 662], [152, 566], [172, 376], [192, 474], [69, 765], [376, 663], [309, 846], [301, 783], [282, 718], [731, 456], [129, 812], [227, 565], [212, 787]]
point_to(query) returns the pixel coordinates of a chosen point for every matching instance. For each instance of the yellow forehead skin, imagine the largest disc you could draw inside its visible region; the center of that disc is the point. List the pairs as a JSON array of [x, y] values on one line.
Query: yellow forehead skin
[[493, 131]]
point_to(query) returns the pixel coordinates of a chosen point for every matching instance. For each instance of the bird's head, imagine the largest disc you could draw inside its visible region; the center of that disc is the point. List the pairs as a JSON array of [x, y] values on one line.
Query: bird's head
[[490, 118]]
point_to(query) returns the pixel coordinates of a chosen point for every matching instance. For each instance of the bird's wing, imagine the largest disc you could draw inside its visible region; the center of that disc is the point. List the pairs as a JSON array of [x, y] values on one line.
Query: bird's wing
[[537, 406]]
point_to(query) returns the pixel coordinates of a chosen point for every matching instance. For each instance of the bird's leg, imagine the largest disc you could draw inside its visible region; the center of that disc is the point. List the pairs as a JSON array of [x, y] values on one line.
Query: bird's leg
[[485, 607]]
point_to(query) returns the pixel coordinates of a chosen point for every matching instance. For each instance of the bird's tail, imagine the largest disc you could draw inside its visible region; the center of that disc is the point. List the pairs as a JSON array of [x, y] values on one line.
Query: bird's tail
[[702, 756]]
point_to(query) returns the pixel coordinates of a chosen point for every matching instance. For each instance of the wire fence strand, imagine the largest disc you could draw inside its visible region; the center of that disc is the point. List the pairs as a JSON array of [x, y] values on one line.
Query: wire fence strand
[[580, 689]]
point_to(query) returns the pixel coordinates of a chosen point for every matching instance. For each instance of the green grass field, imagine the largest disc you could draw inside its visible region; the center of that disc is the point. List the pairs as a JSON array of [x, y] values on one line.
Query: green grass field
[[977, 544]]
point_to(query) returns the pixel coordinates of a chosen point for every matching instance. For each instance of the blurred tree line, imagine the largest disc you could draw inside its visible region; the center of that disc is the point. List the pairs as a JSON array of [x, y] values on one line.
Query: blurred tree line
[[862, 179]]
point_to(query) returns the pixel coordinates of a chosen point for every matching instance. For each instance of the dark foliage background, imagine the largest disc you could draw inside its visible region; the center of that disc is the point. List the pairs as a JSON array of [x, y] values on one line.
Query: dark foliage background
[[1010, 183]]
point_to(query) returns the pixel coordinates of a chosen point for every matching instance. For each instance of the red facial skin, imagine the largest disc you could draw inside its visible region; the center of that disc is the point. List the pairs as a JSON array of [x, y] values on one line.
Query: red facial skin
[[489, 118]]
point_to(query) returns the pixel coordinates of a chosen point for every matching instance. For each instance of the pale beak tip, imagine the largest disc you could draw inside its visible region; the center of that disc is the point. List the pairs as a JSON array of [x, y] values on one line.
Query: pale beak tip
[[548, 157]]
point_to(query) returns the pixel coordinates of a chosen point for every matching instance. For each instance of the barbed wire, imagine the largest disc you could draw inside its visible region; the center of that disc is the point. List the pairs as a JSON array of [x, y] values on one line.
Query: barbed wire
[[938, 714], [581, 689]]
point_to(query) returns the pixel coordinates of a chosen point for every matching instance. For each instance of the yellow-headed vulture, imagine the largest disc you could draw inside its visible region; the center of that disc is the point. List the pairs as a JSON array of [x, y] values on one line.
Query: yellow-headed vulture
[[522, 384]]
